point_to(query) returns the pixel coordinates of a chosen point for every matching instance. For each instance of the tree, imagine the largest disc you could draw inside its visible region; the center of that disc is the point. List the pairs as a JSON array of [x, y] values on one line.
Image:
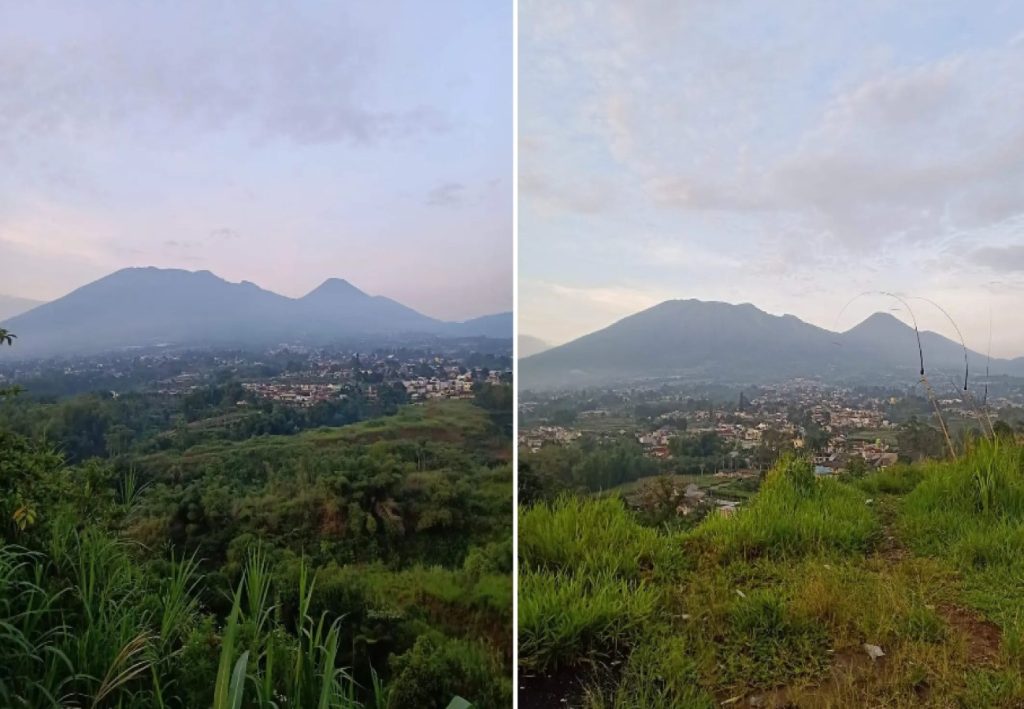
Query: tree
[[8, 337], [1003, 430], [917, 440], [815, 437], [856, 467]]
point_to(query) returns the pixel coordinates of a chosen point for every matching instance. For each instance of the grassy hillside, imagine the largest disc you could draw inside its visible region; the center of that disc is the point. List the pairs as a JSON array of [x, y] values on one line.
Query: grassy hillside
[[787, 602], [366, 565]]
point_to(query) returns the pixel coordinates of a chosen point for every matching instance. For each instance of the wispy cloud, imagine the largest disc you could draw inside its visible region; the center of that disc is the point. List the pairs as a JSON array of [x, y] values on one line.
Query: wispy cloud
[[1003, 259], [448, 194]]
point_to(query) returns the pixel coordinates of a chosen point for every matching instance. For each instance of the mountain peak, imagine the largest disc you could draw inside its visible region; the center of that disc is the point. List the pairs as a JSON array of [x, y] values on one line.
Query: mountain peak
[[334, 288], [876, 322], [139, 273]]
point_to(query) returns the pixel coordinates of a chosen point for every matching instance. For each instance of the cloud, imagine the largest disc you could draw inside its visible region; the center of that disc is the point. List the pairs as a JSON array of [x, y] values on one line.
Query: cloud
[[583, 197], [1004, 259], [224, 234], [273, 141], [611, 299], [159, 73], [912, 155], [448, 194], [900, 152], [185, 245]]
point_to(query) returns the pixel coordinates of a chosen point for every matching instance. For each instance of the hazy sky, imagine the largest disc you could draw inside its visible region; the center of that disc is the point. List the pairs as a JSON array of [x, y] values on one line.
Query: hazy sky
[[278, 142], [788, 154]]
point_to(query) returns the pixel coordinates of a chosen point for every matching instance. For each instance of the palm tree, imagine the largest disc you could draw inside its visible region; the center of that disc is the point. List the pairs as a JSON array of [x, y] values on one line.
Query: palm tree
[[7, 337]]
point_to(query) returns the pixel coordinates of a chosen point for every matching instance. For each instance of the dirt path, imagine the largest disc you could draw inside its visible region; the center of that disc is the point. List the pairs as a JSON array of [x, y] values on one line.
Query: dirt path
[[983, 637], [891, 547]]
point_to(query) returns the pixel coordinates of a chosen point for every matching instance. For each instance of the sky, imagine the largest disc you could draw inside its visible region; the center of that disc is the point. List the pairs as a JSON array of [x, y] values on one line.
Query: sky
[[788, 154], [277, 142]]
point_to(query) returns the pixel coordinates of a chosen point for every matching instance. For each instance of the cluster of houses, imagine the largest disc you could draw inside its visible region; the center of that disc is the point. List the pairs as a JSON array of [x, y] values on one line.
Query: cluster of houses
[[873, 455], [422, 388], [856, 418], [747, 435], [295, 394], [453, 383], [535, 438]]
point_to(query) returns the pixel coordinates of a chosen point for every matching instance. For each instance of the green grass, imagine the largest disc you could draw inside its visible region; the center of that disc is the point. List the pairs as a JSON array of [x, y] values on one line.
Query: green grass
[[794, 514], [586, 570], [596, 536], [776, 602], [565, 618], [897, 480], [971, 511], [85, 627], [371, 561]]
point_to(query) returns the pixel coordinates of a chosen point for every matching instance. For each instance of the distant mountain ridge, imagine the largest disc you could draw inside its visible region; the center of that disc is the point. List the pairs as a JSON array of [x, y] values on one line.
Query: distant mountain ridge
[[138, 307], [530, 345], [12, 306], [701, 340]]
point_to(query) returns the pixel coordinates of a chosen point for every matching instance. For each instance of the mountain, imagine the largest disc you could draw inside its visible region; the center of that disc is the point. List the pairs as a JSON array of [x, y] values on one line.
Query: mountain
[[338, 305], [530, 345], [11, 306], [150, 306], [712, 341], [497, 325]]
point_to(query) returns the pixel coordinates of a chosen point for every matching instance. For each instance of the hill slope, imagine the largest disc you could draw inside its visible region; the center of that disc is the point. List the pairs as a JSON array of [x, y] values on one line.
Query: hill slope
[[497, 325]]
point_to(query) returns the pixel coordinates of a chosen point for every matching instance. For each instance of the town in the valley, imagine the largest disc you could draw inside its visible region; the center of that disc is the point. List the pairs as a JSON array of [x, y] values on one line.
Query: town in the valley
[[711, 444], [286, 375]]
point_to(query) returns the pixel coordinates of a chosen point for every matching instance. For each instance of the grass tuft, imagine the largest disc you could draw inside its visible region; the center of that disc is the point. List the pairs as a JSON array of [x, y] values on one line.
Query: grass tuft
[[794, 514]]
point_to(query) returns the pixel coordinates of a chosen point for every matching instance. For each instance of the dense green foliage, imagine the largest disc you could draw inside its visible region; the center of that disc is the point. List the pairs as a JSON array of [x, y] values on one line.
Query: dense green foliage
[[102, 425], [555, 469], [363, 565]]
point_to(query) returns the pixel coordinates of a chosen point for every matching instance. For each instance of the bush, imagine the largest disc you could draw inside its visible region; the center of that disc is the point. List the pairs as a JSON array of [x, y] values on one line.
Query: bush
[[437, 669]]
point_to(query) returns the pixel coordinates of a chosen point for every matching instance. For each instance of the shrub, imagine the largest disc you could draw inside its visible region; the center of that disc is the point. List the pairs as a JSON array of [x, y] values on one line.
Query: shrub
[[437, 669]]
